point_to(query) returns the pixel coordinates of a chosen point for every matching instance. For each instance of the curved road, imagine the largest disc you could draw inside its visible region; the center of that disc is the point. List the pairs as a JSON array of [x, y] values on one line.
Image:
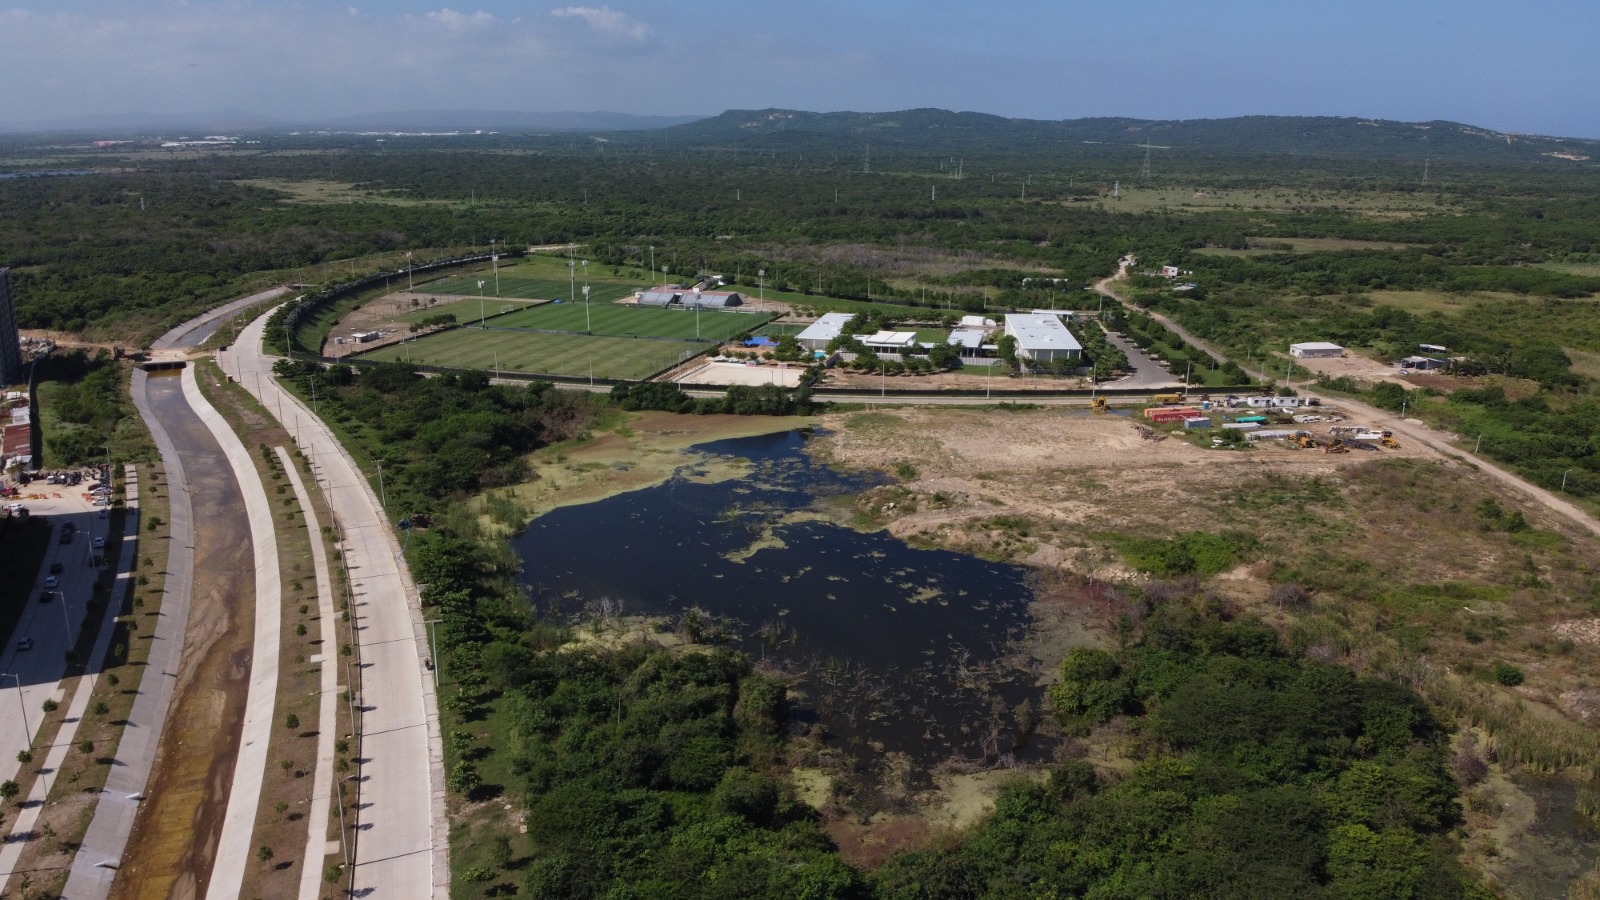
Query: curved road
[[402, 845]]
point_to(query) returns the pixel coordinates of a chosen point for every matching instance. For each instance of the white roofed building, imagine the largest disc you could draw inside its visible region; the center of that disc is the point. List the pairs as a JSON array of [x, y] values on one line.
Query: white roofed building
[[819, 334], [1042, 338], [892, 341], [1316, 350]]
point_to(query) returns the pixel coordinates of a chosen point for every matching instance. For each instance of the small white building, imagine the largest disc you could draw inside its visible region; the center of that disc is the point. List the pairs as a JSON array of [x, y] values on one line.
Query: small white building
[[1169, 272], [820, 333], [977, 322], [1423, 363], [1042, 337], [1316, 350], [890, 341]]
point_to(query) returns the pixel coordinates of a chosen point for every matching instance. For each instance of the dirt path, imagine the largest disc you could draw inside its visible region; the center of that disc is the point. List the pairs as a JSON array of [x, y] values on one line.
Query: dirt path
[[1384, 419]]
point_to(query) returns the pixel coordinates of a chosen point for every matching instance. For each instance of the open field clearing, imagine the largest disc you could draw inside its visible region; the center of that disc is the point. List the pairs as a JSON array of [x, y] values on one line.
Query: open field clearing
[[1373, 203], [553, 354], [1410, 568], [334, 192], [1267, 246]]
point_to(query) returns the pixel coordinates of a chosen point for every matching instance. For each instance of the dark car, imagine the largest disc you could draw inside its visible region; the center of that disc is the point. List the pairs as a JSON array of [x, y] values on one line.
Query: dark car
[[55, 568], [25, 644]]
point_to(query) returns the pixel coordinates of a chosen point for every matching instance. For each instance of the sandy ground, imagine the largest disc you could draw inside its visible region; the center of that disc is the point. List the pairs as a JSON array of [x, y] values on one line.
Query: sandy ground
[[384, 315], [1351, 366], [739, 373], [1037, 464]]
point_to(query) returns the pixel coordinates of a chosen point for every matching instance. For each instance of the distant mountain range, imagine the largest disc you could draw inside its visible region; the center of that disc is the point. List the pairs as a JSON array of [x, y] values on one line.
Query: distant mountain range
[[234, 121], [915, 130], [929, 129]]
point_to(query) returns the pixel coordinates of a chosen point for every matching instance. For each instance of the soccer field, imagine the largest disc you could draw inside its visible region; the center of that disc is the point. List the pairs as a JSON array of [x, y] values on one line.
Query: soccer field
[[553, 354], [632, 321], [528, 286]]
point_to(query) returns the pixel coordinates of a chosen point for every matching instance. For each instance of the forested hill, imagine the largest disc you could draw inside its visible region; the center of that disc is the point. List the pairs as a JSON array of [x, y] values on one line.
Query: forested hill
[[942, 130]]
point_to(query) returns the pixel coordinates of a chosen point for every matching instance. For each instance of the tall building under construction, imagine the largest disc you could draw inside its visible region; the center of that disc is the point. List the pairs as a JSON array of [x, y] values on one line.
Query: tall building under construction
[[10, 342]]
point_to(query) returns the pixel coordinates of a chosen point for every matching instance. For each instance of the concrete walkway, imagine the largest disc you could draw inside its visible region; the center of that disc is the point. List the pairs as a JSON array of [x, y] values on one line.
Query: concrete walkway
[[317, 844], [11, 852], [238, 825], [402, 848], [114, 813]]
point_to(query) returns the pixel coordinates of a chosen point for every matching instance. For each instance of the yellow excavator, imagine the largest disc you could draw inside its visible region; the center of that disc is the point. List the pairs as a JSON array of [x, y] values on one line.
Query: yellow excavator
[[1388, 441], [1098, 405], [1336, 446]]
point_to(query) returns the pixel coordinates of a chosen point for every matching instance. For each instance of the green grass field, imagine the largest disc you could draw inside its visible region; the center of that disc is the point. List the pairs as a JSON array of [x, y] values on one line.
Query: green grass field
[[632, 321], [553, 354]]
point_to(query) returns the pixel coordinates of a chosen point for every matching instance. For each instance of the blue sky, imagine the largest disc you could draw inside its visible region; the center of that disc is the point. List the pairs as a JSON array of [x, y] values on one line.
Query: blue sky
[[1532, 66]]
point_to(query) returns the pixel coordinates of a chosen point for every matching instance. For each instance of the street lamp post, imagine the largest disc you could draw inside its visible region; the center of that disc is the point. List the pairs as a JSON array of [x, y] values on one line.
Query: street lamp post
[[22, 705], [481, 316], [1564, 480], [383, 497]]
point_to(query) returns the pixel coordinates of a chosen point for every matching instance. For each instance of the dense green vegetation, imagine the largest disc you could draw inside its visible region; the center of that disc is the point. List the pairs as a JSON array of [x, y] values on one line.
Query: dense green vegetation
[[1264, 774], [440, 438]]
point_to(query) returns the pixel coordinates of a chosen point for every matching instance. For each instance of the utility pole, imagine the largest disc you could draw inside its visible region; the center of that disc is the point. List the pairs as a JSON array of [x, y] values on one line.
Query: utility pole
[[22, 705]]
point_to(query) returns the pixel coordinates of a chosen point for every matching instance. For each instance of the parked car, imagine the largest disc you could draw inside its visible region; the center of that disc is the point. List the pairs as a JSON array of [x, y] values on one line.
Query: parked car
[[99, 542], [25, 644], [52, 582], [55, 568]]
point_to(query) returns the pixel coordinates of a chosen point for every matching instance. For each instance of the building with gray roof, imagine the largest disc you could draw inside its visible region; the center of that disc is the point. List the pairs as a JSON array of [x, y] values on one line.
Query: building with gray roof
[[1042, 338], [819, 334]]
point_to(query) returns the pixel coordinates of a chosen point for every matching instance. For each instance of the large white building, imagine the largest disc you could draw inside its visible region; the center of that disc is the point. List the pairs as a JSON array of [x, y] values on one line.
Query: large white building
[[1042, 337], [1316, 350], [820, 333]]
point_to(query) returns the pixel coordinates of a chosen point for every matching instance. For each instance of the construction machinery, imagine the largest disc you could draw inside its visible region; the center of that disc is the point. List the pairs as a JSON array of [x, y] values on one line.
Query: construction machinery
[[1336, 446], [1166, 399], [1098, 405], [1303, 442], [1388, 441]]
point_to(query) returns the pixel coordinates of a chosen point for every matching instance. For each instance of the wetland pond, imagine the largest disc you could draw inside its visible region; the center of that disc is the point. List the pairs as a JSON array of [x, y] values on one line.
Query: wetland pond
[[890, 648]]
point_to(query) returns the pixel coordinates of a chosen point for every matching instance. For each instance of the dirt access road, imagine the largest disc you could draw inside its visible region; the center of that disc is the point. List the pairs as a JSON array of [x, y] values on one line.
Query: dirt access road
[[1405, 428]]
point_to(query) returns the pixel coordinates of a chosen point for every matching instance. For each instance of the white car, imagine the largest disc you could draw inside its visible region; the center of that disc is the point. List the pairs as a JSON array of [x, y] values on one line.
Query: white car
[[52, 582], [98, 542]]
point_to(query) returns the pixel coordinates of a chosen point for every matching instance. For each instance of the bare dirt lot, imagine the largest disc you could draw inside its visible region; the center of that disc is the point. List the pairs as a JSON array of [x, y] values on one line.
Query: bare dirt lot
[[1351, 366], [720, 373]]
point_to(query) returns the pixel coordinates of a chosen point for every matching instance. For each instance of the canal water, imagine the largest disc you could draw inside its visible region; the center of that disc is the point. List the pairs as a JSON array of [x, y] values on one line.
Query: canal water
[[895, 648]]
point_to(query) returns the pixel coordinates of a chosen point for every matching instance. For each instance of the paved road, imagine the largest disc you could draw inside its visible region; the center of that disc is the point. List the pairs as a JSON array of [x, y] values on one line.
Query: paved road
[[23, 822], [402, 843], [34, 675]]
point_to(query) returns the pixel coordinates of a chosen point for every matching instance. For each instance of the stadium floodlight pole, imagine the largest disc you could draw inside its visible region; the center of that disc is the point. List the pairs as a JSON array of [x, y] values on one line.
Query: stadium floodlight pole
[[22, 705], [572, 282], [481, 316], [652, 262], [410, 286], [494, 260], [762, 274], [587, 327]]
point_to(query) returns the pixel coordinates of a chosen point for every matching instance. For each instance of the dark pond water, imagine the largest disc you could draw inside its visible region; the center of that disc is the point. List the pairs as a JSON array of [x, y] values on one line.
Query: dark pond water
[[896, 647]]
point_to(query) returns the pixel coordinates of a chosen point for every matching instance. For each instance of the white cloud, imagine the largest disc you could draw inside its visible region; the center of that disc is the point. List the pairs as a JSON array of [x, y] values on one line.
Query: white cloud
[[451, 20], [607, 21]]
